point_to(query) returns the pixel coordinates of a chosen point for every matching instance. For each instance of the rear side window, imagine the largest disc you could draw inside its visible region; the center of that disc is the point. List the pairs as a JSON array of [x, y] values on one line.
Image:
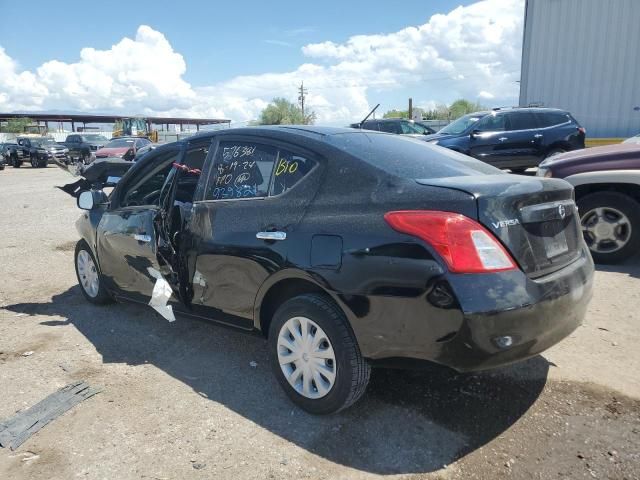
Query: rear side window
[[491, 123], [290, 169], [521, 121], [241, 170], [389, 127], [370, 125], [549, 119]]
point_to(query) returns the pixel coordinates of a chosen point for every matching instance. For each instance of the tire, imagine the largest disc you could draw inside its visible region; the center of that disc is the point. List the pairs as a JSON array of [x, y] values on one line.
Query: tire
[[340, 355], [43, 163], [98, 295], [84, 158], [34, 161], [554, 152], [620, 215], [15, 163]]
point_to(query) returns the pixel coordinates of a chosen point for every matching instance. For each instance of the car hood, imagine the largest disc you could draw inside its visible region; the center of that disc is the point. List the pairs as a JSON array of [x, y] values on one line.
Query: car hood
[[609, 157], [112, 151], [436, 136]]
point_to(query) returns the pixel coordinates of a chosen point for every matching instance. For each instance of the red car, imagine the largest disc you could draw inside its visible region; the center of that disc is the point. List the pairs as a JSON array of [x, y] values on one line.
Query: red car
[[122, 147], [607, 191]]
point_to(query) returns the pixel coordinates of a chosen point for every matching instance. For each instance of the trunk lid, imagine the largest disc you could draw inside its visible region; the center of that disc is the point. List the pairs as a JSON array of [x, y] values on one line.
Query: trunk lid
[[535, 218]]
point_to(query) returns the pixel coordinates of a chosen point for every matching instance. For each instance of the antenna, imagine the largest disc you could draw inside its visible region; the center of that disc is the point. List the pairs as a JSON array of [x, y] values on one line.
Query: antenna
[[368, 115]]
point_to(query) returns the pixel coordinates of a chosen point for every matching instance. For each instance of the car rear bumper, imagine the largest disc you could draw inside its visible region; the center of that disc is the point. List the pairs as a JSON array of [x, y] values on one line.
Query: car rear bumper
[[558, 304], [464, 335]]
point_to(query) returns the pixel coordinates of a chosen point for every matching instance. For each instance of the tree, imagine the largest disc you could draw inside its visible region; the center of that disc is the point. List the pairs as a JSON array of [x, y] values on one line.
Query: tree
[[461, 107], [396, 114], [442, 112], [283, 112], [16, 125], [403, 113]]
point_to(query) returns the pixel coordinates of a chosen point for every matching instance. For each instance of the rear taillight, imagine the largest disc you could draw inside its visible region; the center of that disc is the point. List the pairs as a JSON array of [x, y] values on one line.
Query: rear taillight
[[464, 244], [582, 130]]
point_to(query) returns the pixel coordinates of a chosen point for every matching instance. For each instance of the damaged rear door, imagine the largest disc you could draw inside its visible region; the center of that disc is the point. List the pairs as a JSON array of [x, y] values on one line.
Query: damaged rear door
[[127, 236]]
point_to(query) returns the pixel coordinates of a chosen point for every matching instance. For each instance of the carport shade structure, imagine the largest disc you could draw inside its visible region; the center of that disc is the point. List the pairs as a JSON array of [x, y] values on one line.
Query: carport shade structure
[[89, 119]]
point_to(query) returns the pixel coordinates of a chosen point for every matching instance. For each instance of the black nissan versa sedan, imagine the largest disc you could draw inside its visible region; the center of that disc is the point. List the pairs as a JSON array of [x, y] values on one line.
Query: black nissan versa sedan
[[343, 248]]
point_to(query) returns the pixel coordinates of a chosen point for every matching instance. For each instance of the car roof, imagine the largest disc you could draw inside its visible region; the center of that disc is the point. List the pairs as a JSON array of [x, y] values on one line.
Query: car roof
[[309, 131]]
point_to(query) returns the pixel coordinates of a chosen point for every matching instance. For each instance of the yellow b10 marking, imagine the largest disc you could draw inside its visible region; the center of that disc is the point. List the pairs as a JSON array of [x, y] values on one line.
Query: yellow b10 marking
[[285, 166]]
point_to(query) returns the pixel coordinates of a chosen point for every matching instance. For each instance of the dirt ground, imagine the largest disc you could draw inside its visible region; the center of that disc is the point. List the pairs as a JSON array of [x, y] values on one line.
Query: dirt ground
[[193, 400]]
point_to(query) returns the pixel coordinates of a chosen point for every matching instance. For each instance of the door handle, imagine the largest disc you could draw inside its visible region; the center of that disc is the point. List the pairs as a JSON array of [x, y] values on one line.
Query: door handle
[[502, 139], [538, 135], [271, 235], [142, 238]]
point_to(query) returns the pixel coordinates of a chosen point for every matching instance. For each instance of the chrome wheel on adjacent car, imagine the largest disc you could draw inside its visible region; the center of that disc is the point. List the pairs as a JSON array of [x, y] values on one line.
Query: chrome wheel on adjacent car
[[606, 229], [87, 274], [306, 357], [610, 224]]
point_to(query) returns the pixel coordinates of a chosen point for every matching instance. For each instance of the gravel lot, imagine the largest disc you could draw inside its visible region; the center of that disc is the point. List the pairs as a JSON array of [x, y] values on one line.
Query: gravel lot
[[184, 400]]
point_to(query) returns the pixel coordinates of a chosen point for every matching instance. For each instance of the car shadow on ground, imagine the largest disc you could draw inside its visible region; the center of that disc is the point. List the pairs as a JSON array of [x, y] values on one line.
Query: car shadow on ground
[[409, 421], [630, 267]]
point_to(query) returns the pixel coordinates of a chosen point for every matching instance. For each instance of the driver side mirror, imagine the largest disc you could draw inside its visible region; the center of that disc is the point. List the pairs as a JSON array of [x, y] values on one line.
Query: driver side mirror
[[474, 133], [90, 199]]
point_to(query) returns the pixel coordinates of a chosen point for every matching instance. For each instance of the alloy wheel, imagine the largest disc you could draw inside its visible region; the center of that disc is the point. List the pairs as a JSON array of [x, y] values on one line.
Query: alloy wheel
[[306, 357], [88, 273], [606, 229]]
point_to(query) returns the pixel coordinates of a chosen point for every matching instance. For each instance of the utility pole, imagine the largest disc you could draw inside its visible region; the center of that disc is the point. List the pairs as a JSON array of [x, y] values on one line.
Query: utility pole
[[410, 108], [302, 92]]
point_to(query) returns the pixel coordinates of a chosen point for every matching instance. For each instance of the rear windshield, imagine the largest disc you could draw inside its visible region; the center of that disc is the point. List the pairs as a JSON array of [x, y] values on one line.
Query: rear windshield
[[94, 138], [408, 157]]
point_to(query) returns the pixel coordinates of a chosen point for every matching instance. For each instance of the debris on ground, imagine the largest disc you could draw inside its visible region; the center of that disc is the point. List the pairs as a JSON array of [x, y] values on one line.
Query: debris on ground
[[17, 429]]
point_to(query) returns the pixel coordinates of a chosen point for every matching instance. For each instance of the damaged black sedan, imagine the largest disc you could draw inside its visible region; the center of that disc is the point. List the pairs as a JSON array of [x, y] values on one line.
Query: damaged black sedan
[[343, 248]]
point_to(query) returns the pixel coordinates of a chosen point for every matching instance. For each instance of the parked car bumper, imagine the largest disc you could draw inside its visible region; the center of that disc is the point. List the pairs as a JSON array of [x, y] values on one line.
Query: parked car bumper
[[556, 306], [534, 313]]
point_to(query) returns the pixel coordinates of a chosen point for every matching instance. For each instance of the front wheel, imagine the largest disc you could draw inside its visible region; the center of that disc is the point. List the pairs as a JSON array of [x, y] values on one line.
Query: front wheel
[[15, 163], [89, 276], [610, 225], [315, 355]]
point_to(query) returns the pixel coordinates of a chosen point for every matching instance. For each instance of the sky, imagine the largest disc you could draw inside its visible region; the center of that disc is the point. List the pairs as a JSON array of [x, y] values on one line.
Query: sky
[[229, 59]]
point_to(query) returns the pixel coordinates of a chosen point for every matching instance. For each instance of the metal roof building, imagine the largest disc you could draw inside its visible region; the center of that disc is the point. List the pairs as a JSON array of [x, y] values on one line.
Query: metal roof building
[[584, 56], [85, 119]]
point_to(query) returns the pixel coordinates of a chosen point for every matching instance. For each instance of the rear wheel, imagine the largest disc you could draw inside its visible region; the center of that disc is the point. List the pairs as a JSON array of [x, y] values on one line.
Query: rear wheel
[[315, 355], [89, 276], [610, 225]]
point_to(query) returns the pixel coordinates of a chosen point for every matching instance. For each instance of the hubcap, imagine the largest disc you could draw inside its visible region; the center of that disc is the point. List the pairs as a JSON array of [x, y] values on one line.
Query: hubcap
[[87, 273], [306, 357], [605, 229]]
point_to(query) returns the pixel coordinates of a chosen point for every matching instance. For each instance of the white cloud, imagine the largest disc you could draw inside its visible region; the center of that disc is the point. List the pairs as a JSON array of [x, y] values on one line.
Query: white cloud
[[471, 52]]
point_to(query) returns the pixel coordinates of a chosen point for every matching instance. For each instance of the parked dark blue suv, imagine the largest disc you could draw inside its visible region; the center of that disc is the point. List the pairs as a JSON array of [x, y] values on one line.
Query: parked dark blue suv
[[515, 138]]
